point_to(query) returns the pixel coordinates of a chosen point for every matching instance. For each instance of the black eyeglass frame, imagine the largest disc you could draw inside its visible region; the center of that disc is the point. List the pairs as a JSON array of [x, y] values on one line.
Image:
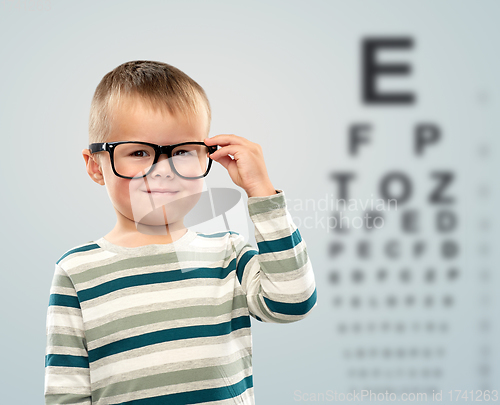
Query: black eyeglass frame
[[159, 150]]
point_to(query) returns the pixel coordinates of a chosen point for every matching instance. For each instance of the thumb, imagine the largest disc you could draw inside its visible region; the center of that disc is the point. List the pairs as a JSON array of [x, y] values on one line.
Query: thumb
[[225, 161]]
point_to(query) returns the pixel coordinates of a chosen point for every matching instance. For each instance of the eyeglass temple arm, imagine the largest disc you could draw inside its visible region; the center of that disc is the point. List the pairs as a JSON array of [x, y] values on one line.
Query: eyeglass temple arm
[[97, 147]]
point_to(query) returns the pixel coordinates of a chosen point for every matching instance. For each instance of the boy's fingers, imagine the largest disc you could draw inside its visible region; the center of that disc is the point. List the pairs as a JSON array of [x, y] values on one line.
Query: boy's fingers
[[225, 139], [224, 161], [225, 150]]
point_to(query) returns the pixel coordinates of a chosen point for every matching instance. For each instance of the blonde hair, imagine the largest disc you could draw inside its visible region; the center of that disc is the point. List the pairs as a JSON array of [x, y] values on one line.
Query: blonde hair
[[159, 85]]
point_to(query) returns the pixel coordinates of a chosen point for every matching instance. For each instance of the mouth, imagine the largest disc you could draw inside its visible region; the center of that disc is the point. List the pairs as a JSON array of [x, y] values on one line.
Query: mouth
[[161, 192]]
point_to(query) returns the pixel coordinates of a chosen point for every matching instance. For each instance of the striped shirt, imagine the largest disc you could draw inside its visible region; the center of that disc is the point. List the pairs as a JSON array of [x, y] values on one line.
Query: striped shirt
[[170, 324]]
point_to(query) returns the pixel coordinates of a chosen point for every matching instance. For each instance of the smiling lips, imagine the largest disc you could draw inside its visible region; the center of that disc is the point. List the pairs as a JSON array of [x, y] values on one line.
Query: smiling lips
[[160, 191]]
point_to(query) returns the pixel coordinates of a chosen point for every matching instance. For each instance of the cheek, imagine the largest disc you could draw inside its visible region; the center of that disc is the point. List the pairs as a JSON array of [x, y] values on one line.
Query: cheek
[[135, 185], [119, 192], [192, 191], [193, 186]]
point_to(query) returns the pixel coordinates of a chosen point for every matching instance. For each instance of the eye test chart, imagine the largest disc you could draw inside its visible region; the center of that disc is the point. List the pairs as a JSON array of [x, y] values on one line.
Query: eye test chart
[[410, 281]]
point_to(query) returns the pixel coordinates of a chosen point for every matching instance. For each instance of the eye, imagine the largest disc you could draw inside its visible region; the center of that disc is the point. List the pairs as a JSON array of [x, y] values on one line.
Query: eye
[[182, 152], [139, 153]]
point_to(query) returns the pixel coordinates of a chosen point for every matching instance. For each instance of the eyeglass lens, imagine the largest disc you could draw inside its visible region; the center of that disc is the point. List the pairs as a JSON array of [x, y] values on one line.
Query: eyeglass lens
[[134, 160]]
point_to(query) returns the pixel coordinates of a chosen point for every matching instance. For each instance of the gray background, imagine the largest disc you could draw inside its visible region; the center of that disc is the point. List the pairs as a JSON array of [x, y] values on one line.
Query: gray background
[[284, 74]]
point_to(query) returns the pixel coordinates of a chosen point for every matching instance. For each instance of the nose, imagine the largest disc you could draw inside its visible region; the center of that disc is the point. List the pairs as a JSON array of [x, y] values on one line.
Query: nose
[[162, 168]]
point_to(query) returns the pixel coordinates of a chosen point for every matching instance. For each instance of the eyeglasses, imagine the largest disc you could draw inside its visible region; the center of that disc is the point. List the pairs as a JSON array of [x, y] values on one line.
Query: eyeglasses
[[135, 160]]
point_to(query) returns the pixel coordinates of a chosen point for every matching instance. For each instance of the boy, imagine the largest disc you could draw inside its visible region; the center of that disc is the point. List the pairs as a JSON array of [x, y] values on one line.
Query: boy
[[154, 313]]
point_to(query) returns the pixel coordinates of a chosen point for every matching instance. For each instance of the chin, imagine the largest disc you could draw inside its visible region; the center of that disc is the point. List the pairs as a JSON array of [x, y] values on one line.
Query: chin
[[163, 212]]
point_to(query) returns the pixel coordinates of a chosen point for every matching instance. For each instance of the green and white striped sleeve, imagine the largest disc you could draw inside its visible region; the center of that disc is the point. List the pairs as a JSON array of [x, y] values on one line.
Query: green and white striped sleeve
[[278, 278], [67, 375]]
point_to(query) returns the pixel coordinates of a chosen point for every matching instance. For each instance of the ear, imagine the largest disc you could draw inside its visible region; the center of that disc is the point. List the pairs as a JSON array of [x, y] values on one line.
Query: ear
[[93, 168]]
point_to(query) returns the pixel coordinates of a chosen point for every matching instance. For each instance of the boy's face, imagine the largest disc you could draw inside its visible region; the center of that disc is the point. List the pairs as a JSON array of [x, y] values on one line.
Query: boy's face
[[162, 196]]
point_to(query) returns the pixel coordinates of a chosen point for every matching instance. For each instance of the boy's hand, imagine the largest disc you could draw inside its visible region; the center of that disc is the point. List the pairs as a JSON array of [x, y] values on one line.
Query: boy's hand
[[247, 169]]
